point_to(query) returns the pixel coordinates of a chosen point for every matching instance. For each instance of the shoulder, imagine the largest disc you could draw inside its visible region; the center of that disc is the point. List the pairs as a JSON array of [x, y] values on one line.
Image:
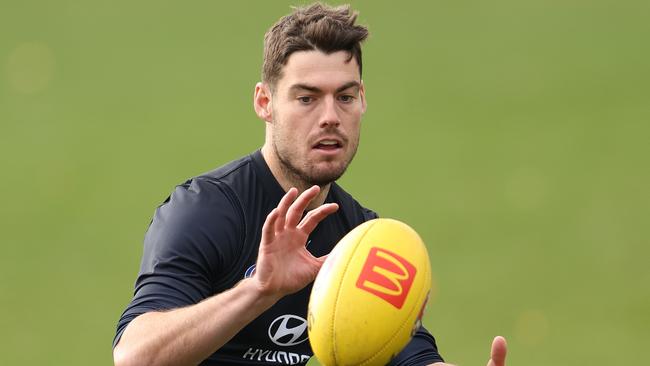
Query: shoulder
[[203, 209], [236, 169], [213, 190]]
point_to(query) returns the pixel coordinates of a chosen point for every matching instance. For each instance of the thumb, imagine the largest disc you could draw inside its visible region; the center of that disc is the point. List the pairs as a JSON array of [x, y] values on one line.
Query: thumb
[[498, 353], [321, 260]]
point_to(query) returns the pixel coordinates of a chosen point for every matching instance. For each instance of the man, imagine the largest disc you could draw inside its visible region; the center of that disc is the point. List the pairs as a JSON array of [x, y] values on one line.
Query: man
[[229, 257]]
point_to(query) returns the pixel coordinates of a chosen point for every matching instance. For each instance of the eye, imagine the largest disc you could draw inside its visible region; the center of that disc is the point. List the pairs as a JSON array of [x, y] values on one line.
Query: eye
[[346, 98], [305, 100]]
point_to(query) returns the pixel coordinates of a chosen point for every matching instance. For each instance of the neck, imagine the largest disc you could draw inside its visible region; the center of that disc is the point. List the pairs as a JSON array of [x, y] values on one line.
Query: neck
[[288, 180]]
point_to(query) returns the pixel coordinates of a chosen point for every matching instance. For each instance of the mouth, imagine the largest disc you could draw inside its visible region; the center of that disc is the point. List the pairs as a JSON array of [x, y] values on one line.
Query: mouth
[[328, 145]]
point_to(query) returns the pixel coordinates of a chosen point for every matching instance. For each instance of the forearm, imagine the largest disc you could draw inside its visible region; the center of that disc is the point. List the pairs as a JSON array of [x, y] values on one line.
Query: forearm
[[188, 335]]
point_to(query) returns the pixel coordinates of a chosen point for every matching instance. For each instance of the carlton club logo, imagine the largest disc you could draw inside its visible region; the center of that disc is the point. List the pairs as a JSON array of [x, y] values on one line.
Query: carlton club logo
[[387, 275]]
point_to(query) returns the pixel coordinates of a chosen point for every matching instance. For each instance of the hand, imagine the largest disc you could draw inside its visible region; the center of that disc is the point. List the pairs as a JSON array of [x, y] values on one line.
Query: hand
[[497, 354], [284, 265]]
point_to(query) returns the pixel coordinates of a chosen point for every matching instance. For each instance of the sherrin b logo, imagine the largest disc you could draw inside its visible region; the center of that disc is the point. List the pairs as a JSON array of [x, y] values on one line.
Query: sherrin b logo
[[387, 275]]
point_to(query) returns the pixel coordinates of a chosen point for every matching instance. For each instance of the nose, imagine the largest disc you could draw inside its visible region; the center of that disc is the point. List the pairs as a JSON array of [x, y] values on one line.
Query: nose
[[330, 116]]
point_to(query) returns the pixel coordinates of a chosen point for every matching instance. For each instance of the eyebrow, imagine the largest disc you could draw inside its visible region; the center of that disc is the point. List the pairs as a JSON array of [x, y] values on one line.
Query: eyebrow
[[313, 89]]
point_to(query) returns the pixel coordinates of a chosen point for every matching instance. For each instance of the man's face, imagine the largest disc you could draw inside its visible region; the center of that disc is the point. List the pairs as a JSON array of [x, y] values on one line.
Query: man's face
[[316, 112]]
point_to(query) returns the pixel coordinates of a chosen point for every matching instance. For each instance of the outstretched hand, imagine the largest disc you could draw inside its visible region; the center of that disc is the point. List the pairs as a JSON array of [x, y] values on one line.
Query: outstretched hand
[[284, 265]]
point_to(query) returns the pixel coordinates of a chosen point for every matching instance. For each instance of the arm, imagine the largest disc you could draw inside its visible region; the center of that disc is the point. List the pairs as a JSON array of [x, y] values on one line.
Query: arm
[[189, 335], [420, 351]]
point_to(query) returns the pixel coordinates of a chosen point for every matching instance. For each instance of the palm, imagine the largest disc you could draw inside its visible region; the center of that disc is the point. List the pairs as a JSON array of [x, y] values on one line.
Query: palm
[[284, 264]]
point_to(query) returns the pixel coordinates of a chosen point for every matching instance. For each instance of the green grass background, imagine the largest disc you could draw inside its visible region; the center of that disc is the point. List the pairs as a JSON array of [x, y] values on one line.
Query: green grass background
[[513, 135]]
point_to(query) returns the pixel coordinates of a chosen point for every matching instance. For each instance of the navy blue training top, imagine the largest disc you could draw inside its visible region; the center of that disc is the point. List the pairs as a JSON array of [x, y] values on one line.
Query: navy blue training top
[[204, 239]]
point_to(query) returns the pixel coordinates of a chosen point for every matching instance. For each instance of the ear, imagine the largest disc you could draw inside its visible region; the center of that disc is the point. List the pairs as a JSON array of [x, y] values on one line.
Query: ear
[[262, 102], [362, 95]]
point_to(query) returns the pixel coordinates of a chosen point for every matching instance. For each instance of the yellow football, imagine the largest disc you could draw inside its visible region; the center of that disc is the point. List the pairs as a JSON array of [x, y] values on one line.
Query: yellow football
[[369, 296]]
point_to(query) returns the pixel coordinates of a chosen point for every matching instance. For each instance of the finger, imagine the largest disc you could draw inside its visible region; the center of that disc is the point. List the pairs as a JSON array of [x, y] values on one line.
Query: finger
[[268, 231], [300, 204], [315, 216], [498, 352], [309, 214], [283, 206]]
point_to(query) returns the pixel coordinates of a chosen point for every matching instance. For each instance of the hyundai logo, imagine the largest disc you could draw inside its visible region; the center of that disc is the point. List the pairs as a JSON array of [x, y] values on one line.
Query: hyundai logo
[[288, 330]]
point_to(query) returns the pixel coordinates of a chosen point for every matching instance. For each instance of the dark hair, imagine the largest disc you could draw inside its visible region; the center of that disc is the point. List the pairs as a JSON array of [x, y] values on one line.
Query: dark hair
[[315, 27]]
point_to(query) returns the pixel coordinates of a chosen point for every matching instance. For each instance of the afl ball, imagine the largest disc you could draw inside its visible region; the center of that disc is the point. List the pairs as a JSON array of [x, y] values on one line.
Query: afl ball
[[369, 296]]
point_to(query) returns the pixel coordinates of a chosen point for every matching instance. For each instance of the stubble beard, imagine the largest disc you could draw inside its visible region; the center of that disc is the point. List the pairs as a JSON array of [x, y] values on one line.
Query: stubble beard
[[306, 175]]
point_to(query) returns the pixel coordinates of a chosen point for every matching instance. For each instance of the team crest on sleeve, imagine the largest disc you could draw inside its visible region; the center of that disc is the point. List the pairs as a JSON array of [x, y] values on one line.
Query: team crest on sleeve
[[250, 271]]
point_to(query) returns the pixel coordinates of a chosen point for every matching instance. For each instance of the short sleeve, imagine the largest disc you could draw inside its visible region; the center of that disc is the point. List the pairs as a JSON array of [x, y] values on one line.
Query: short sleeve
[[420, 351], [194, 237]]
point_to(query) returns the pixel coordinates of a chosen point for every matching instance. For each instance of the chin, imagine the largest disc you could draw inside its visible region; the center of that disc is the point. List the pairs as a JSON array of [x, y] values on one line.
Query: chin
[[323, 177]]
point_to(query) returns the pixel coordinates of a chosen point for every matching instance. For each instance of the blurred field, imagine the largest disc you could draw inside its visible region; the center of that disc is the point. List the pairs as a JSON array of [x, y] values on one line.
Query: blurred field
[[513, 135]]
